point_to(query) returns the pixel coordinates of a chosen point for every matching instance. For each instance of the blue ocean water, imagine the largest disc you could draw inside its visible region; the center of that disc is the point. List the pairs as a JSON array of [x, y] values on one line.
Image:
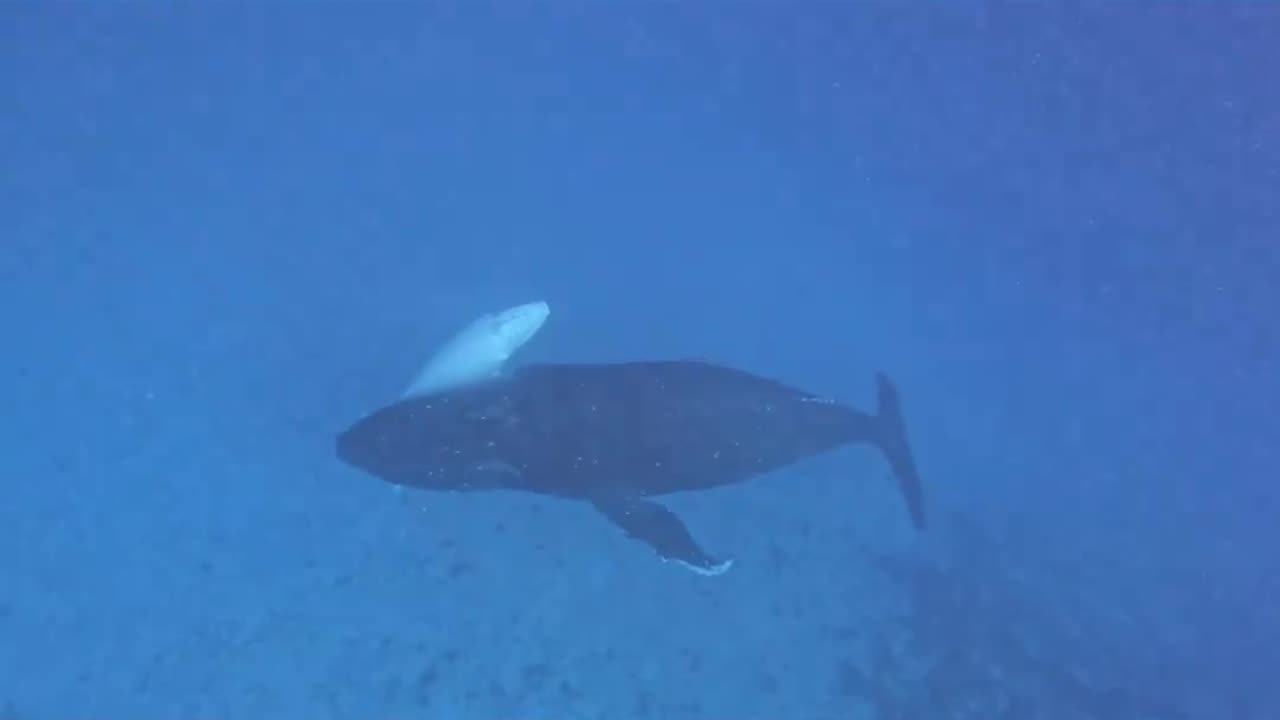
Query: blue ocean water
[[227, 231]]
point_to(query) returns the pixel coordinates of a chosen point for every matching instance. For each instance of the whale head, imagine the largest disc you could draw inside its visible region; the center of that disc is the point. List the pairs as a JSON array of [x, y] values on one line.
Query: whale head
[[517, 326], [445, 441]]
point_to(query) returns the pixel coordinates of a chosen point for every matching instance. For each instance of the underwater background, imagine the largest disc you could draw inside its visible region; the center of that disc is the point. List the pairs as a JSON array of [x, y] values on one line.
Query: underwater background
[[229, 230]]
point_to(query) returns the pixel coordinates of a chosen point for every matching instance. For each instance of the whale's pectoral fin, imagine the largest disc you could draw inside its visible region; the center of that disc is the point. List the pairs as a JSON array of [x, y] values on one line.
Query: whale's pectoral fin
[[661, 529]]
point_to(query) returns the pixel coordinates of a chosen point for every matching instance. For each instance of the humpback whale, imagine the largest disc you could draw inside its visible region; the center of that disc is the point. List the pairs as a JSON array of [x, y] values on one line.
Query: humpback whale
[[618, 435], [478, 351]]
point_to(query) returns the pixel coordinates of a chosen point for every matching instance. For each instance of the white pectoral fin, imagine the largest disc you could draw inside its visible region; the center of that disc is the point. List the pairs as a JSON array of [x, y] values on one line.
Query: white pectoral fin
[[480, 350]]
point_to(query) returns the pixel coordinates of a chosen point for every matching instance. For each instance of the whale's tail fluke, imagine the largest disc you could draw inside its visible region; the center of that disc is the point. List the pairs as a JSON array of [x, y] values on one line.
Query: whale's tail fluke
[[891, 433]]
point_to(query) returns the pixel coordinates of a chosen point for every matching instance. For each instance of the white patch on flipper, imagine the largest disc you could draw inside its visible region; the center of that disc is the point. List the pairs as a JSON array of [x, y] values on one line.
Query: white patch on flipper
[[717, 569], [480, 350]]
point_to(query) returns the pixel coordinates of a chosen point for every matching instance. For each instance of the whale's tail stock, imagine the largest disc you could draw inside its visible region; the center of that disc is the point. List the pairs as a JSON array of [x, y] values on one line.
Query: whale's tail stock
[[891, 438]]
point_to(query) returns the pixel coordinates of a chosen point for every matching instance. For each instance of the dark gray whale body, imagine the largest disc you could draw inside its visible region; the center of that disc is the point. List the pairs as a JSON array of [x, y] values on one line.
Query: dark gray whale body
[[617, 434]]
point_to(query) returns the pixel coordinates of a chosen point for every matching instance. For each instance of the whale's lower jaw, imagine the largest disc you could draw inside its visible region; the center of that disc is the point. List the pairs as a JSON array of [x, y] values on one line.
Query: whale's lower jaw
[[479, 351]]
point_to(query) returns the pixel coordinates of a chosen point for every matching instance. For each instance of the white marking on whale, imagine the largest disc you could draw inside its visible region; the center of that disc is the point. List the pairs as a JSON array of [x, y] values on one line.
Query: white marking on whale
[[480, 350], [716, 569]]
